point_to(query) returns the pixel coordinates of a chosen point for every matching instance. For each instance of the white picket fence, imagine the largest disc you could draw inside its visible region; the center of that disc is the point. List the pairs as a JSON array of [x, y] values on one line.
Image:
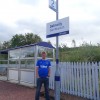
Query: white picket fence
[[80, 79]]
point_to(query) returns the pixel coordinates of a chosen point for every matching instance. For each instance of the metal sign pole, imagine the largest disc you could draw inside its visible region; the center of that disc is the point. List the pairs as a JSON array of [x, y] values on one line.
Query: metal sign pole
[[57, 75], [57, 28]]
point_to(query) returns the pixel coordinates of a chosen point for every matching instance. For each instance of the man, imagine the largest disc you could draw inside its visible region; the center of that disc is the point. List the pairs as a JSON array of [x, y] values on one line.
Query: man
[[42, 73]]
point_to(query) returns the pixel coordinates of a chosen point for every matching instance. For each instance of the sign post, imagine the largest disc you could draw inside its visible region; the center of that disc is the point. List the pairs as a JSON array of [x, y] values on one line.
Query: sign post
[[59, 27], [57, 74]]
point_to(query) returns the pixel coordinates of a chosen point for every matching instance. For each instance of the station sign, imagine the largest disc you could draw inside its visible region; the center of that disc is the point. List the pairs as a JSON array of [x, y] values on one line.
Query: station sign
[[57, 28]]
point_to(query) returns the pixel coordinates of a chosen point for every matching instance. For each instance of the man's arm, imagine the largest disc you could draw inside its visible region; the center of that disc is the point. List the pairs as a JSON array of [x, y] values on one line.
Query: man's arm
[[49, 72], [37, 68], [37, 75]]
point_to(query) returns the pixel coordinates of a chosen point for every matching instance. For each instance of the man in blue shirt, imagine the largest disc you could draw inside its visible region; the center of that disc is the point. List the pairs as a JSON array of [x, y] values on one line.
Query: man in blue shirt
[[42, 73]]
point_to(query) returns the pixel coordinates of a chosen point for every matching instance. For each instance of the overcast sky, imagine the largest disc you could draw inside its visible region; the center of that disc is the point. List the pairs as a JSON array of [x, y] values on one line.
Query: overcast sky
[[22, 16]]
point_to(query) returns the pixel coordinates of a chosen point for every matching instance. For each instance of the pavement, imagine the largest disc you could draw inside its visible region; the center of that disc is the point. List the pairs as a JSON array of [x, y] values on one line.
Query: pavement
[[11, 91]]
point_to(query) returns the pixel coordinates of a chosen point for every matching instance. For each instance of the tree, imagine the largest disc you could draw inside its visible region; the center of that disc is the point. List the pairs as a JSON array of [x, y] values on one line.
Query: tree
[[32, 38], [73, 43], [1, 45], [20, 40], [6, 45], [17, 40]]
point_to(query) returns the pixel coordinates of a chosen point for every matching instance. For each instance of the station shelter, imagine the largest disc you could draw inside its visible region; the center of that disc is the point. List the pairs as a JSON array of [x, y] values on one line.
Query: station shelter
[[21, 62]]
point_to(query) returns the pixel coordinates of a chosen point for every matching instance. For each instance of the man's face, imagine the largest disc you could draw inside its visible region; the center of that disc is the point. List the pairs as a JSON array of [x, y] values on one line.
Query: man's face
[[43, 55]]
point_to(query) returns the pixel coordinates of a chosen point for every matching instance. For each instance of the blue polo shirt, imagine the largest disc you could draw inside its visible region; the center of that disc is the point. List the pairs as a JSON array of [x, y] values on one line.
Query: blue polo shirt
[[43, 67]]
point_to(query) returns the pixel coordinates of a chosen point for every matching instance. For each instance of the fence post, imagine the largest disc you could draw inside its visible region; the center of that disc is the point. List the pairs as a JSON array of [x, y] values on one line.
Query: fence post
[[93, 78], [87, 81], [97, 81], [80, 68], [78, 89], [90, 81]]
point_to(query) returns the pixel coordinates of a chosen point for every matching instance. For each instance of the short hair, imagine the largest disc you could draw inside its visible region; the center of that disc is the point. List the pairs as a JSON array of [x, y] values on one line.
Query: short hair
[[43, 52]]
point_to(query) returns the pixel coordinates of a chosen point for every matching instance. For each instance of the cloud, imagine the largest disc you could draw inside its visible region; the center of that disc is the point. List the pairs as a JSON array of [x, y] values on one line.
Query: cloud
[[21, 27], [6, 32], [29, 2], [22, 16], [30, 25]]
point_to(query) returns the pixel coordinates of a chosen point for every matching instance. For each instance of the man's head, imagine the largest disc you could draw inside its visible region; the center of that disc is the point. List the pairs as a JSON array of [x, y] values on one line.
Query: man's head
[[43, 55]]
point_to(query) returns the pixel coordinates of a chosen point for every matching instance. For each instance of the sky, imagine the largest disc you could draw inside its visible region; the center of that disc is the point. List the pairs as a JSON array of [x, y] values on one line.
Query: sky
[[24, 16]]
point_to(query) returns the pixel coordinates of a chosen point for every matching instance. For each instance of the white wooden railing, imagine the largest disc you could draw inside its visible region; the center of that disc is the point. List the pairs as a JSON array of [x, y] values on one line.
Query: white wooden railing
[[80, 79]]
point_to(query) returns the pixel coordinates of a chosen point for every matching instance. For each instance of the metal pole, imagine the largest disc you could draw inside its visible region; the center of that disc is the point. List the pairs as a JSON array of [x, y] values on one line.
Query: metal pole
[[8, 68], [57, 75], [36, 58], [19, 68]]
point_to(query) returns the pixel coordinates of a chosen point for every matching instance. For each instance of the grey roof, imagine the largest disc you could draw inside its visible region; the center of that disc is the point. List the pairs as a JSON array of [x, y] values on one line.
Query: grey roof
[[44, 44]]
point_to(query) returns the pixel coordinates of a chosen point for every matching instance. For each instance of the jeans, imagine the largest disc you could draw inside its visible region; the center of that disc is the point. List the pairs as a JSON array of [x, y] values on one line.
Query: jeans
[[41, 81]]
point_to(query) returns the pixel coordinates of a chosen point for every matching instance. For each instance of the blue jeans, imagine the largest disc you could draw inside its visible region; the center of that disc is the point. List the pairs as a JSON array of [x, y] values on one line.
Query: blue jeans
[[41, 81]]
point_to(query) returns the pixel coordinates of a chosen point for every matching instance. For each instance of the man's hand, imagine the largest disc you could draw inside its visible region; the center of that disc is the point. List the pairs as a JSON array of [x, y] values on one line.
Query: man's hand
[[49, 72], [48, 75], [37, 77]]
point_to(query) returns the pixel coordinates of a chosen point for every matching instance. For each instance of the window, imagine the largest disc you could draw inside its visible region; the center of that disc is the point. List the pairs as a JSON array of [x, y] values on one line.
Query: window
[[27, 52], [27, 64], [13, 63], [14, 54], [49, 51]]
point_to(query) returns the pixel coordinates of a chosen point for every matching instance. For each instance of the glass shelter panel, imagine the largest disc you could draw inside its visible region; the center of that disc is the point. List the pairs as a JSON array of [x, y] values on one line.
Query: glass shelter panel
[[27, 52], [27, 64], [49, 51], [14, 63], [25, 58], [14, 54]]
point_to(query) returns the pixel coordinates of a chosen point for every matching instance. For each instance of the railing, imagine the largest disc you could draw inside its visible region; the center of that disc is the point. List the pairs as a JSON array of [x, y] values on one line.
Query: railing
[[80, 79]]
